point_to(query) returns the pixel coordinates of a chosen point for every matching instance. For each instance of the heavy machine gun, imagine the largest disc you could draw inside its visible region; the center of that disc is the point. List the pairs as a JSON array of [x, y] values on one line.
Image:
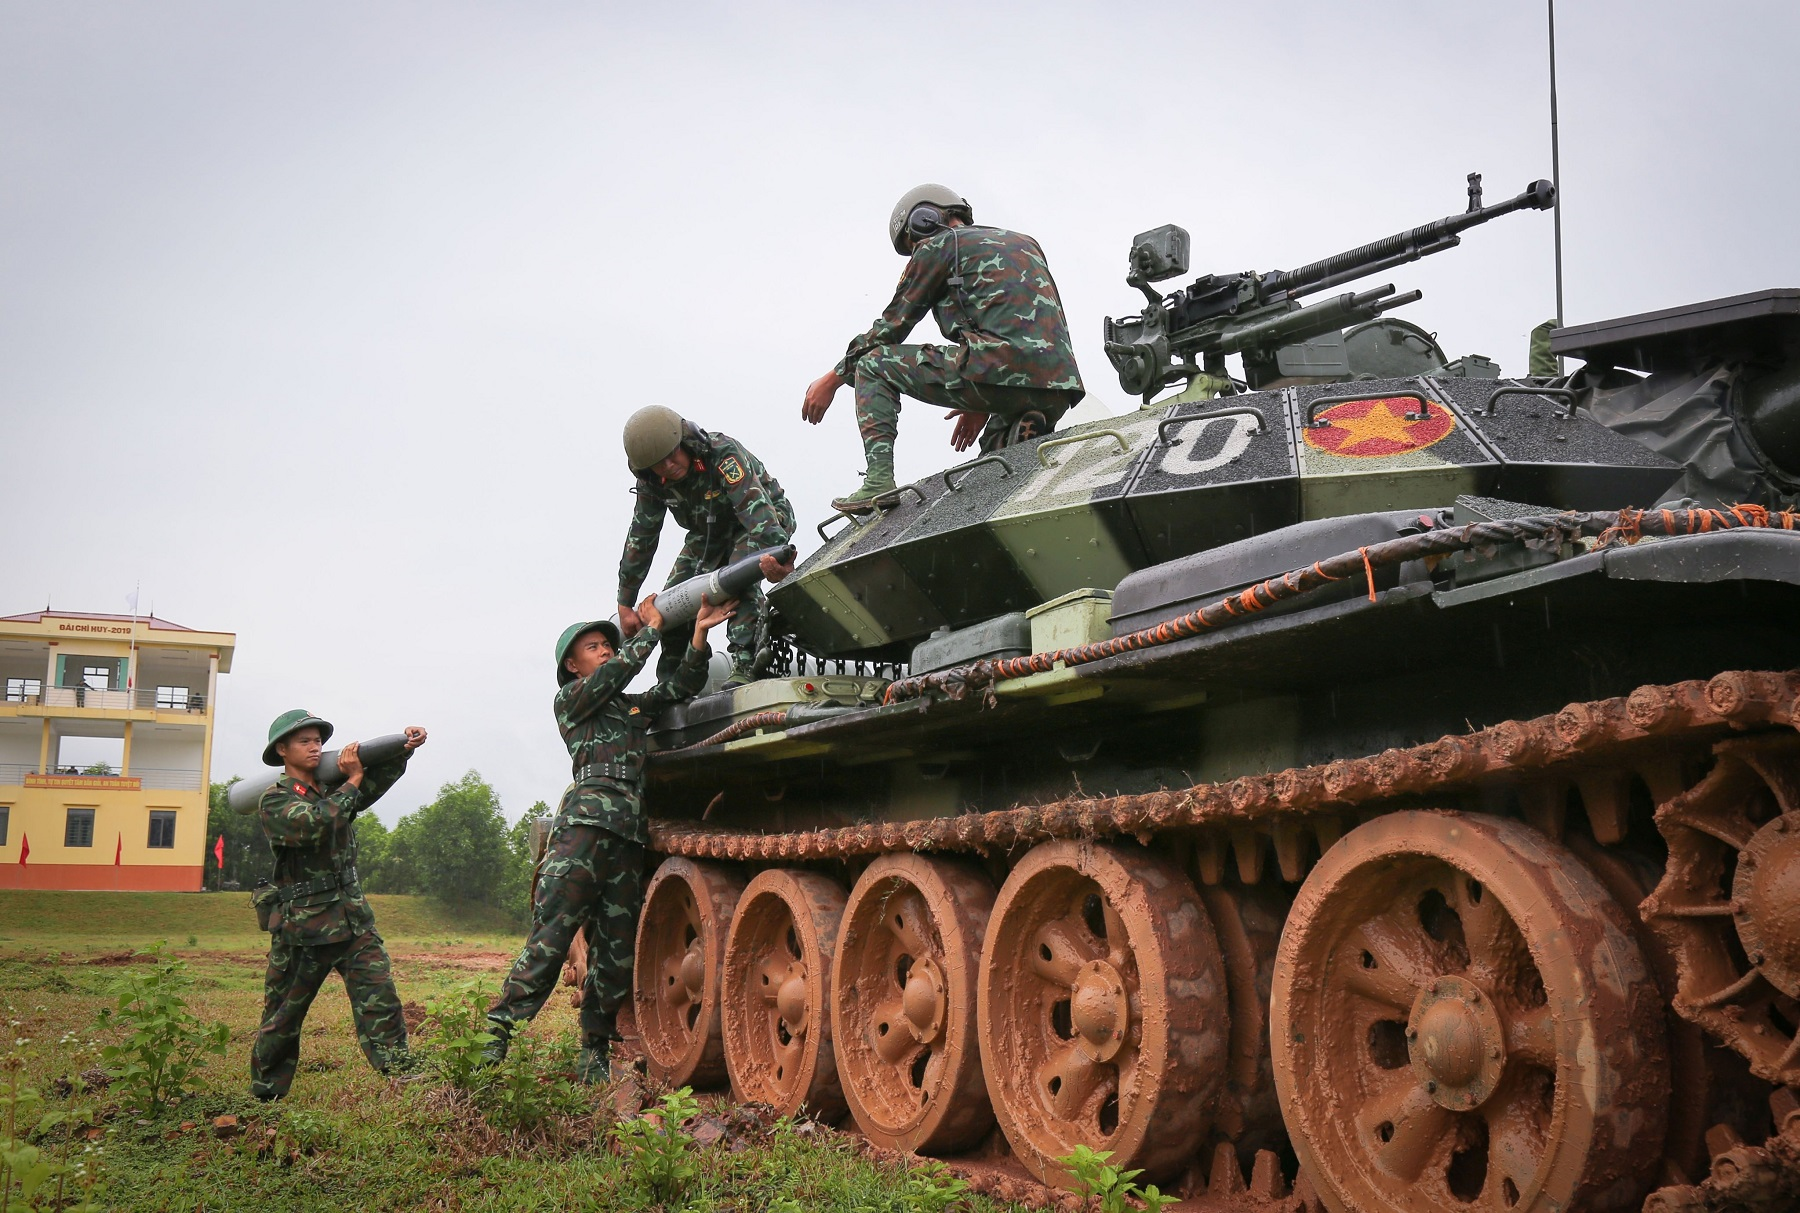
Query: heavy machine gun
[[1179, 337]]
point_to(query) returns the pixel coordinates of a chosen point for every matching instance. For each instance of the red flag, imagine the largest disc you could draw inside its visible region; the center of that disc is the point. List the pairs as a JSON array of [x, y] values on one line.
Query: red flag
[[24, 848], [219, 850], [119, 851]]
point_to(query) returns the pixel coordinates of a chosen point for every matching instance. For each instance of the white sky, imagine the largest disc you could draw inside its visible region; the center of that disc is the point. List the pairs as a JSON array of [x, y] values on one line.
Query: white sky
[[320, 320]]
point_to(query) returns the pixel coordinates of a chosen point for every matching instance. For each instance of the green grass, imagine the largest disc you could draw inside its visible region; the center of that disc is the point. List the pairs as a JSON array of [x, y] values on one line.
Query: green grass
[[367, 1143]]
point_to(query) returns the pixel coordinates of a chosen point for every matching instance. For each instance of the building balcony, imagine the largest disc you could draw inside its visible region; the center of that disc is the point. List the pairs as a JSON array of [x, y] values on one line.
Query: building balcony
[[30, 775], [179, 700]]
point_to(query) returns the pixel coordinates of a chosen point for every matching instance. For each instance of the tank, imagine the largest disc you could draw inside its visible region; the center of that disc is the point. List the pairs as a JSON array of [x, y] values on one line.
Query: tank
[[1375, 789]]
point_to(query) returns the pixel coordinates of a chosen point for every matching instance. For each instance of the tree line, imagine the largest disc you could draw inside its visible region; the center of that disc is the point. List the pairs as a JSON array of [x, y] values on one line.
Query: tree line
[[458, 849]]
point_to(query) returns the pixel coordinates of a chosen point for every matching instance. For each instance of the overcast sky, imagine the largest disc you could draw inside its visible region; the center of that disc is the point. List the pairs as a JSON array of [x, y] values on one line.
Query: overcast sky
[[320, 320]]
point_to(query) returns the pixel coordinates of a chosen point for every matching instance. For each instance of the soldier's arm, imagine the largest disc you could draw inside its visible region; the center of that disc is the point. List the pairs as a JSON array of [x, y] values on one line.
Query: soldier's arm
[[687, 680], [291, 820], [377, 780], [751, 502], [583, 697], [640, 544], [927, 271]]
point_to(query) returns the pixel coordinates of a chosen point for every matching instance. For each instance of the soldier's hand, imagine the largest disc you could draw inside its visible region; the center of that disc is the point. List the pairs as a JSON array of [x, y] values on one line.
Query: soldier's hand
[[350, 763], [968, 428], [415, 737], [711, 616], [773, 570], [629, 623], [818, 396], [647, 612]]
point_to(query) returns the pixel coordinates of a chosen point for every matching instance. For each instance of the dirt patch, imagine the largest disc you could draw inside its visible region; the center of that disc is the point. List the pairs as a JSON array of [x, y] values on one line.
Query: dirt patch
[[414, 1014], [123, 957], [468, 962]]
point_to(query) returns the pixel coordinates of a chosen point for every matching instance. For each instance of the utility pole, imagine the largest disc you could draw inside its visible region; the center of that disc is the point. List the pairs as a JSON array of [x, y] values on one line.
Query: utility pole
[[1556, 176]]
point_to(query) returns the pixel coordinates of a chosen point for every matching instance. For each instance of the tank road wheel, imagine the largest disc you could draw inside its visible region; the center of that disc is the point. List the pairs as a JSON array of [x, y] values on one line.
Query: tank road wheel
[[1462, 1019], [1729, 902], [1102, 1008], [675, 974], [778, 959], [903, 1003]]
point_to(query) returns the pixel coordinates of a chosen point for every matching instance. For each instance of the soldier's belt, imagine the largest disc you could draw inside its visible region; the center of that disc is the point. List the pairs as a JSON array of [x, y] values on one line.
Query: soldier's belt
[[607, 770], [318, 884]]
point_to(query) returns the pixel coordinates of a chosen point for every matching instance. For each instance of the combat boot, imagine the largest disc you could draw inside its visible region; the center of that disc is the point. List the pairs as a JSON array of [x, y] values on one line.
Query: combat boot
[[499, 1039], [878, 481], [742, 675], [591, 1066]]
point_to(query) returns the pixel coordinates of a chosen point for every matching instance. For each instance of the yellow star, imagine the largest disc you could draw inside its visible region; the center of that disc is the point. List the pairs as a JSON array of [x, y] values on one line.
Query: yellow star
[[1378, 422]]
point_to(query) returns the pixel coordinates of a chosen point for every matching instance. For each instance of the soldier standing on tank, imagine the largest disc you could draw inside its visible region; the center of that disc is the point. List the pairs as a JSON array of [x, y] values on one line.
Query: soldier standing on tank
[[317, 918], [592, 873], [1011, 374], [730, 506]]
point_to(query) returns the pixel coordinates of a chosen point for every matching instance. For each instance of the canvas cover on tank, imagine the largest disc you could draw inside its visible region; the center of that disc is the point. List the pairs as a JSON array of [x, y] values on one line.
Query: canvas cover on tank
[[1087, 506]]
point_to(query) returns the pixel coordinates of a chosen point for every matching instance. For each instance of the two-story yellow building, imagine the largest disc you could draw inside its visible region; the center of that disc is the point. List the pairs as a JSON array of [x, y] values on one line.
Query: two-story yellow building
[[148, 682]]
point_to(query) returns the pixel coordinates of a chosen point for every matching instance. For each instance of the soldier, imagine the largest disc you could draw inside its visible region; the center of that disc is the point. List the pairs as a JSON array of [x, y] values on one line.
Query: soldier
[[592, 873], [1011, 373], [317, 918], [728, 503]]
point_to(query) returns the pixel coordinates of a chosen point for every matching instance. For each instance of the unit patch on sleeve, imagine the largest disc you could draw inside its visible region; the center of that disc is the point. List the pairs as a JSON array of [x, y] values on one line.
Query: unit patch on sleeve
[[731, 469]]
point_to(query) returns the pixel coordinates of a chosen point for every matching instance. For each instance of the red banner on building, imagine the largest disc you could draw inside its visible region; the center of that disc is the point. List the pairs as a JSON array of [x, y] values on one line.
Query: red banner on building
[[219, 850], [24, 848]]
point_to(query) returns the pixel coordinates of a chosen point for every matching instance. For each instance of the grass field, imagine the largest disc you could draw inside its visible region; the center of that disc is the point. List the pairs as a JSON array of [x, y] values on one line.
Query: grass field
[[347, 1138]]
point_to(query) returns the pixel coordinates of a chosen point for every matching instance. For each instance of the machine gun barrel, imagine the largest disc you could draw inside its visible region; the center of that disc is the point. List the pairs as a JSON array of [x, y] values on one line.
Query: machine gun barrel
[[1401, 247], [1287, 328]]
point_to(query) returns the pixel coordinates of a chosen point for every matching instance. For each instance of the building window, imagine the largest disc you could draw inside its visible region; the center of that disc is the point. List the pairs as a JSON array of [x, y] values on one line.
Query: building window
[[172, 697], [79, 830], [5, 812], [96, 677], [162, 828], [23, 690]]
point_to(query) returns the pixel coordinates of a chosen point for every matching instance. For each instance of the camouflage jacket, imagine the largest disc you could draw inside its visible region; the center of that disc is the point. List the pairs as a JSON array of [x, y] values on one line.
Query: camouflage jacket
[[604, 726], [728, 503], [1006, 315], [313, 836]]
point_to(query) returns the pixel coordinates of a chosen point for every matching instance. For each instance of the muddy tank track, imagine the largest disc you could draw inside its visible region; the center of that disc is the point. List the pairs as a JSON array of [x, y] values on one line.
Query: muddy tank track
[[1569, 784]]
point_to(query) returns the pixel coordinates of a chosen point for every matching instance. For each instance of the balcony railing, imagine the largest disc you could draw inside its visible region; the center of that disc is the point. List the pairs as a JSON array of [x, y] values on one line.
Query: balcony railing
[[161, 778], [89, 697]]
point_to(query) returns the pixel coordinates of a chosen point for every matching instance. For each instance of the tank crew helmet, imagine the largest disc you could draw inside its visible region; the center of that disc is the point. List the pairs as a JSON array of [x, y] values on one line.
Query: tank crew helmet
[[922, 211], [572, 633], [287, 724], [651, 436]]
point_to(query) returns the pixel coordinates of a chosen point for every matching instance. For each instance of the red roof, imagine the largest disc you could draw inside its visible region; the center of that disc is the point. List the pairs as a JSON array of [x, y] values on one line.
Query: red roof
[[161, 625]]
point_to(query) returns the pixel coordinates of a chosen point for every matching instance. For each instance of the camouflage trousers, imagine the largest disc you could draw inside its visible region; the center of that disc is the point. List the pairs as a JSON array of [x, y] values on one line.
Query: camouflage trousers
[[925, 372], [293, 979], [743, 632], [590, 877]]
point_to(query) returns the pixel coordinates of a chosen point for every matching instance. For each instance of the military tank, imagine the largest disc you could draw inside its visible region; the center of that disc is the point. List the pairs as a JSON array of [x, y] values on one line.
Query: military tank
[[1369, 784]]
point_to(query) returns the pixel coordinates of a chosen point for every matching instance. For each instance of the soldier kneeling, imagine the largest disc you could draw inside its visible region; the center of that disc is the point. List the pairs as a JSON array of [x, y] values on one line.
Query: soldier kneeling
[[593, 868], [318, 920]]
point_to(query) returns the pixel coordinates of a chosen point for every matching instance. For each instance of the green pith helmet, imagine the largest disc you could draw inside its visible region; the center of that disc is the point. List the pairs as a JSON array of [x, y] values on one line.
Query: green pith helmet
[[651, 436], [292, 722], [574, 632], [940, 196]]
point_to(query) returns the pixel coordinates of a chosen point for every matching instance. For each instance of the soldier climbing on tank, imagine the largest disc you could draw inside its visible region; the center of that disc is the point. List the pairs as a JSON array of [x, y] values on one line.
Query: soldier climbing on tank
[[730, 507], [592, 873], [1011, 374], [314, 908]]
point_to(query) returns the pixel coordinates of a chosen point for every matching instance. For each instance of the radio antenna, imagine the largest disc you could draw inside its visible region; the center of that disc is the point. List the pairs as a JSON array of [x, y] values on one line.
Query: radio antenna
[[1556, 176]]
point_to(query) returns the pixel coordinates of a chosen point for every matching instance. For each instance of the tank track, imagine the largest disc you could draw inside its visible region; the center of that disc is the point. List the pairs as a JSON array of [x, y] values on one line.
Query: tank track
[[1291, 805], [1665, 736]]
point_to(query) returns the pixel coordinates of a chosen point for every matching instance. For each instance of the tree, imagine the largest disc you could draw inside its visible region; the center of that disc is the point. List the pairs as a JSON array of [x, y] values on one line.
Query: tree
[[247, 855], [455, 848], [515, 883], [97, 768], [374, 843]]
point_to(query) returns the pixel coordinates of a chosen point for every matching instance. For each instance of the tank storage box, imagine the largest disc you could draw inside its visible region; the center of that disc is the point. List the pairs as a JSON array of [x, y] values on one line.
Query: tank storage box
[[1008, 635], [1077, 618], [698, 719]]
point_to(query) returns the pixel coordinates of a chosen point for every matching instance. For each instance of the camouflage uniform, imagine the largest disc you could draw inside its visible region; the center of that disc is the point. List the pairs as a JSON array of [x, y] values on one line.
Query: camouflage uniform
[[593, 868], [326, 926], [730, 507], [1012, 350]]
